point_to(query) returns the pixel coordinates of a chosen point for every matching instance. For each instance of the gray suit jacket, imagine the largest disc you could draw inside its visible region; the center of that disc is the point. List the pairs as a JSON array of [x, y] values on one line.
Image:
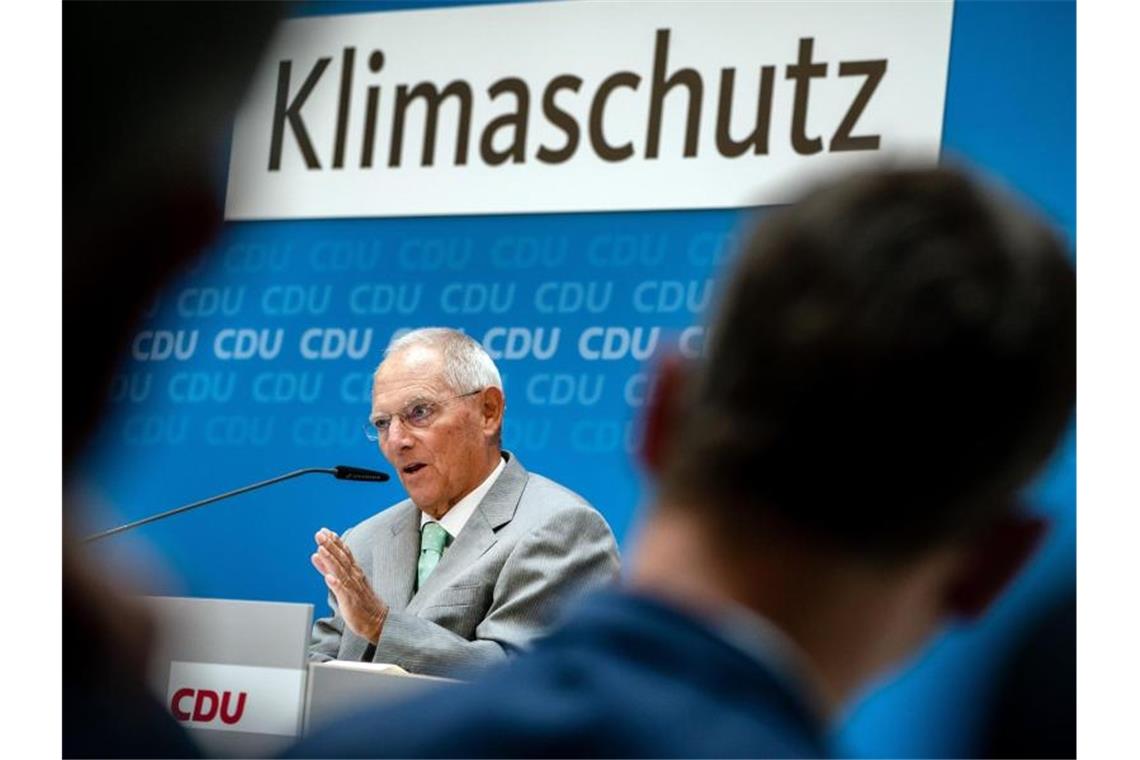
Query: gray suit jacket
[[528, 545]]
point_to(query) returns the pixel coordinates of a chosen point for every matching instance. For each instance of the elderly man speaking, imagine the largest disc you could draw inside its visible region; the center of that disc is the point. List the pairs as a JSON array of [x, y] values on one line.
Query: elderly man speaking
[[472, 566]]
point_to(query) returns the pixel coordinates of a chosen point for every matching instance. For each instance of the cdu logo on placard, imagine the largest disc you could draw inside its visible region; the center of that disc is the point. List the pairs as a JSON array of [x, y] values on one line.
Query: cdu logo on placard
[[204, 705], [217, 697]]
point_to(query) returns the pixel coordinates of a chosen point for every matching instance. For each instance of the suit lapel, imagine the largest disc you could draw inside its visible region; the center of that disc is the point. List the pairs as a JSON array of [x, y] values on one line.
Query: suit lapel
[[394, 566], [500, 503], [478, 535]]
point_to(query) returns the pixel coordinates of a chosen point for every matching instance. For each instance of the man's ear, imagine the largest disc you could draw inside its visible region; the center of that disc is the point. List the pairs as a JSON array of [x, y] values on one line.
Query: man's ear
[[491, 409], [992, 559], [660, 417]]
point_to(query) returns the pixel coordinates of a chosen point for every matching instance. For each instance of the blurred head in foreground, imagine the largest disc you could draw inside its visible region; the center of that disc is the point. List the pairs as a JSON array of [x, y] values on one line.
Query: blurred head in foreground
[[893, 357], [149, 89], [149, 92]]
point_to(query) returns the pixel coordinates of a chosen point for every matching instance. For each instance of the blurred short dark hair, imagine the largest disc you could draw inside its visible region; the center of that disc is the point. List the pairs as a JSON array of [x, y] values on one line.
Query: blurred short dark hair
[[892, 358], [149, 91]]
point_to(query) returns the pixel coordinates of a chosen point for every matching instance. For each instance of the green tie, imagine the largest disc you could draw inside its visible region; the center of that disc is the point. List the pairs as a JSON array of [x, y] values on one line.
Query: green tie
[[433, 539]]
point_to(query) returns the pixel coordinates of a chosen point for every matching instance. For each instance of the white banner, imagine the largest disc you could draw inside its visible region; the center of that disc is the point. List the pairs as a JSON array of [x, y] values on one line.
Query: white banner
[[236, 697], [581, 106]]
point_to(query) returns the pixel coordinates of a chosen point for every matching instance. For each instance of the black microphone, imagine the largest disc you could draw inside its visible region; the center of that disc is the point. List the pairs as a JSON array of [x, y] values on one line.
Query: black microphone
[[344, 472], [340, 472]]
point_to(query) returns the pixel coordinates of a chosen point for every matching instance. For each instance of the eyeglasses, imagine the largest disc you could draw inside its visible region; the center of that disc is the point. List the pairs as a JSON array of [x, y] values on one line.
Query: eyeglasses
[[417, 414]]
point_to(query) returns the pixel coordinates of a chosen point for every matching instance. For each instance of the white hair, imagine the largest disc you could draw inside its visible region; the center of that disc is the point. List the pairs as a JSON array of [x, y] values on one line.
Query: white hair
[[466, 365]]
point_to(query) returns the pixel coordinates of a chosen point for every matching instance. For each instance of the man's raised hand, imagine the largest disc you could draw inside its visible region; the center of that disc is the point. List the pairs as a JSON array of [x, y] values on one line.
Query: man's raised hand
[[362, 610]]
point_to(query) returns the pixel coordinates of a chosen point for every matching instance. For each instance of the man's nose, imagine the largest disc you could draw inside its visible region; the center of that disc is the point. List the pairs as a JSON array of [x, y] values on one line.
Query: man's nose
[[399, 435]]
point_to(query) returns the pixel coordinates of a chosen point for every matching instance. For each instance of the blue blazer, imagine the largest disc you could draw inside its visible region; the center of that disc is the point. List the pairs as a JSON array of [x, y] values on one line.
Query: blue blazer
[[627, 676]]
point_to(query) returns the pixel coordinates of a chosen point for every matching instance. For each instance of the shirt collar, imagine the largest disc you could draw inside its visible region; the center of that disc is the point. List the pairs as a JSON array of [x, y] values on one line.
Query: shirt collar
[[458, 515]]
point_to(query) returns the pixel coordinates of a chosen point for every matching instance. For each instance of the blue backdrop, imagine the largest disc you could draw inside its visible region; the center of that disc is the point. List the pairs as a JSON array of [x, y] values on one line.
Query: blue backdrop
[[258, 361]]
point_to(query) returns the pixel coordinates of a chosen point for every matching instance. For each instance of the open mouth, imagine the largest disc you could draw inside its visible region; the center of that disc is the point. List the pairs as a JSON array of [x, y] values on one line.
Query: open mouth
[[412, 469]]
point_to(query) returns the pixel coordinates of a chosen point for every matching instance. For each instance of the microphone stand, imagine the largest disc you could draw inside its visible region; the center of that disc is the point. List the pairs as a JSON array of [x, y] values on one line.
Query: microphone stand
[[340, 472]]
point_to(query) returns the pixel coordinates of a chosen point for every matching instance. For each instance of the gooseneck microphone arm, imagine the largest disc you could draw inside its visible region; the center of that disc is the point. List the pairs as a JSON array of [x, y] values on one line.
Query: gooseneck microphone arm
[[340, 472]]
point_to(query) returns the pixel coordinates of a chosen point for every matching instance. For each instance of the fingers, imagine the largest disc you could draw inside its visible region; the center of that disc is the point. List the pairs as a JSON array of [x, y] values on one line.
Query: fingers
[[344, 569], [334, 560], [318, 563], [326, 565], [330, 541], [335, 554], [339, 549], [329, 563], [329, 575]]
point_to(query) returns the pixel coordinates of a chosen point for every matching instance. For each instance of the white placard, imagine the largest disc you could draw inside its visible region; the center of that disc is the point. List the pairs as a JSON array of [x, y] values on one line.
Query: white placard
[[580, 106], [218, 697]]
